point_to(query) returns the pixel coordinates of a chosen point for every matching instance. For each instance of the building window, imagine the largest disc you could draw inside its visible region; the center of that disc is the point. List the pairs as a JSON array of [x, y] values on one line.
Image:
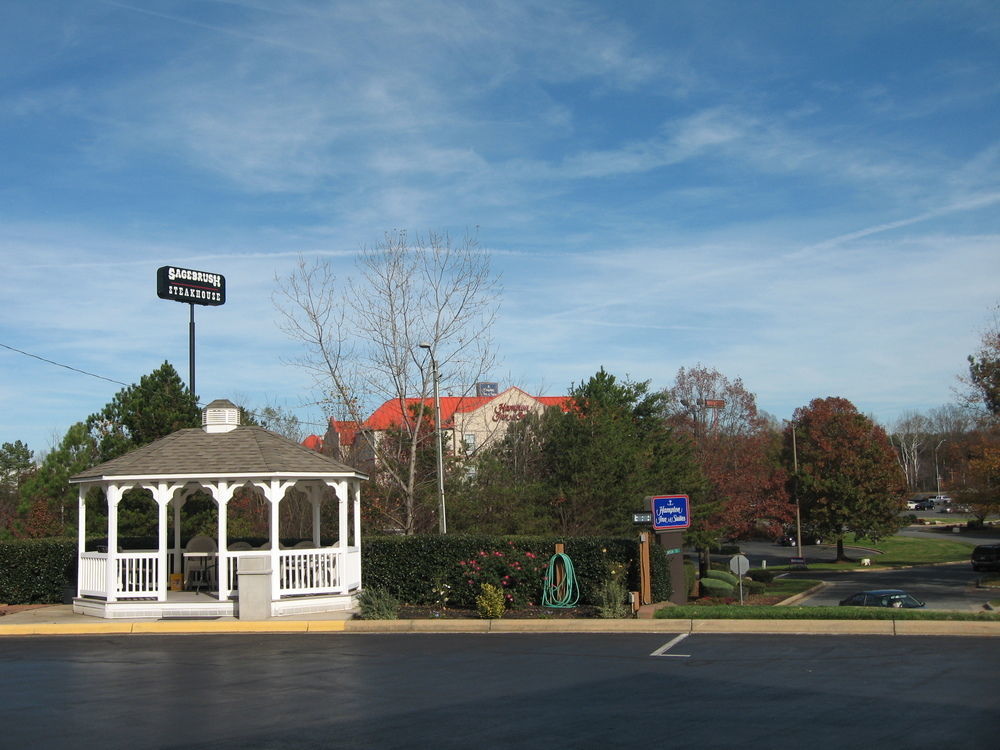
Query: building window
[[469, 438]]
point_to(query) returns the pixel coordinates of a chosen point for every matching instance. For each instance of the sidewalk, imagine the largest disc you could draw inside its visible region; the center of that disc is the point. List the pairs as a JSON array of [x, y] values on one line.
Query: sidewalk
[[59, 619]]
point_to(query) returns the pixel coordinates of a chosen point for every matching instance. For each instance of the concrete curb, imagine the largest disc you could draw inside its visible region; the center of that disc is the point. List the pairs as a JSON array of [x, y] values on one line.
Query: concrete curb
[[443, 626]]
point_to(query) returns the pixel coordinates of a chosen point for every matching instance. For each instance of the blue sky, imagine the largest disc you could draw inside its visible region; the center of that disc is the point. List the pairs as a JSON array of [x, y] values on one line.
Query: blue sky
[[802, 194]]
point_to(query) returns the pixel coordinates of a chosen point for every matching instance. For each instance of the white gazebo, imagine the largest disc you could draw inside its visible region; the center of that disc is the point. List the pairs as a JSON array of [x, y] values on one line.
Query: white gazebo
[[218, 459]]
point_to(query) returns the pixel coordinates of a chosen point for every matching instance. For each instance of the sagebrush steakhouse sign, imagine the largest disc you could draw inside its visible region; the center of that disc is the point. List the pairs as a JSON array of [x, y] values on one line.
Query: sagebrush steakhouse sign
[[188, 285]]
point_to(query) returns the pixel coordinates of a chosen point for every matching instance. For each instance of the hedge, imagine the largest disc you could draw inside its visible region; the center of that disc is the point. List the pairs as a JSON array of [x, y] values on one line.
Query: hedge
[[412, 569], [715, 587], [721, 575], [35, 571], [416, 569]]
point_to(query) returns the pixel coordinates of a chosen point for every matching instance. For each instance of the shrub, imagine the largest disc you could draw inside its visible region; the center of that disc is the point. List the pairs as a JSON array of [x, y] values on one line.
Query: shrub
[[516, 572], [754, 587], [690, 577], [761, 574], [34, 571], [721, 575], [715, 587], [491, 603], [377, 604], [612, 595]]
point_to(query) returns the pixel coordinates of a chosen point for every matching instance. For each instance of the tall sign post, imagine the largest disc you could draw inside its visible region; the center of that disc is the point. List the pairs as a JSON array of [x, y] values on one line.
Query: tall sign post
[[671, 515], [195, 288]]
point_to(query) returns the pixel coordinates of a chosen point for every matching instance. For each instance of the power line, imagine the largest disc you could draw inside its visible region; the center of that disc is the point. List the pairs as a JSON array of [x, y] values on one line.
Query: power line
[[60, 364]]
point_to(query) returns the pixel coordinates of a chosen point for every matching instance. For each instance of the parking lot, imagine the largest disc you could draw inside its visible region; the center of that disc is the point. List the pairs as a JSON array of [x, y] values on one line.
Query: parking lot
[[493, 691]]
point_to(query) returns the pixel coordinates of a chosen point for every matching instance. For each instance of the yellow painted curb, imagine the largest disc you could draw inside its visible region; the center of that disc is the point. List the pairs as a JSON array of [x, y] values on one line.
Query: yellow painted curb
[[191, 626], [326, 626], [450, 626], [795, 627], [947, 627], [97, 628]]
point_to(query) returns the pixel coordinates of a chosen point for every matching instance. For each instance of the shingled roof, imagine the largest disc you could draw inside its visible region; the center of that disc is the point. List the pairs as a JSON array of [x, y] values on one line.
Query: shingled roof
[[242, 452]]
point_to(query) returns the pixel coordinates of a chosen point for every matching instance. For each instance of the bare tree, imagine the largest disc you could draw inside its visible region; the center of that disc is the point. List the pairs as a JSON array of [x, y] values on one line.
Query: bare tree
[[908, 437], [363, 338]]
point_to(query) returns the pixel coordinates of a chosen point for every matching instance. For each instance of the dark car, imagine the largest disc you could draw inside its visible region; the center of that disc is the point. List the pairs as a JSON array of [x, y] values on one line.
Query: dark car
[[924, 505], [986, 557], [883, 598]]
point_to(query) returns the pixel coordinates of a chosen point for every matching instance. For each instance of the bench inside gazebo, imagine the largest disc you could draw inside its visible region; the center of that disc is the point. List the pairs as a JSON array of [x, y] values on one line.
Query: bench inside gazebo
[[217, 460]]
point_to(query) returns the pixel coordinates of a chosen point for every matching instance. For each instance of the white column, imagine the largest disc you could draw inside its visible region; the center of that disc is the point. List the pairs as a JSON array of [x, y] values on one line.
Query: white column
[[343, 531], [81, 532], [274, 494], [162, 496], [356, 492], [114, 494], [223, 493]]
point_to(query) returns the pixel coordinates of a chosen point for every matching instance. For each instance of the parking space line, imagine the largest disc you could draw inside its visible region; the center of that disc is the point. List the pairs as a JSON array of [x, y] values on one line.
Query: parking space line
[[662, 650]]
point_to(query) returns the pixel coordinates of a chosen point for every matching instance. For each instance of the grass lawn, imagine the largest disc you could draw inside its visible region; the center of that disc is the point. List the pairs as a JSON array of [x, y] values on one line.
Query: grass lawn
[[736, 612], [897, 551]]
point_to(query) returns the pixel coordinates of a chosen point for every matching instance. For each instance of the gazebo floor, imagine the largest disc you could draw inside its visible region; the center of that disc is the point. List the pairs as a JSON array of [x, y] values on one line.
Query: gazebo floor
[[201, 605]]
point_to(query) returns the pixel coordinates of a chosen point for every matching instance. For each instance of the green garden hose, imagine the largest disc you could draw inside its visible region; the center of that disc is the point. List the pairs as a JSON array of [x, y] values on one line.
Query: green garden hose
[[566, 593]]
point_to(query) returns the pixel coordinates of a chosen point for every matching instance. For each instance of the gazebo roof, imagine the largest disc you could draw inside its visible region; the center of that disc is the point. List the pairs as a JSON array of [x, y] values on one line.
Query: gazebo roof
[[244, 451]]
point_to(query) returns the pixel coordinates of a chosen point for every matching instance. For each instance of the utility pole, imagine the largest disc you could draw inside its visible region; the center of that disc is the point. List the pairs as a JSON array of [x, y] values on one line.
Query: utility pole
[[440, 450]]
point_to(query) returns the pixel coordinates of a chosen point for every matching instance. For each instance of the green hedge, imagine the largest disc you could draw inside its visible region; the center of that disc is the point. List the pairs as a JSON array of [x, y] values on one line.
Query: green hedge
[[416, 569], [35, 571], [715, 587], [722, 575], [411, 569]]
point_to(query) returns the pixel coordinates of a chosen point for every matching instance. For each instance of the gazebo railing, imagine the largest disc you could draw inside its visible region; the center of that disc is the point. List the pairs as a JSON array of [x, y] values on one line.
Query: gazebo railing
[[137, 574]]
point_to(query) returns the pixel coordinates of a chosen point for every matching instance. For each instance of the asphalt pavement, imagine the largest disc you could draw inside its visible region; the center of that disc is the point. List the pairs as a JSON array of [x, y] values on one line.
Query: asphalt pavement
[[498, 691]]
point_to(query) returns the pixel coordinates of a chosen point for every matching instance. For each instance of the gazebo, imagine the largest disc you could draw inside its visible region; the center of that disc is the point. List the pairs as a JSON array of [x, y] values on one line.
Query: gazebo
[[218, 459]]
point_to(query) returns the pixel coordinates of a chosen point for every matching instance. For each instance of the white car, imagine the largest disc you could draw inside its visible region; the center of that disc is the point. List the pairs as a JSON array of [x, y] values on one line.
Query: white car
[[911, 504]]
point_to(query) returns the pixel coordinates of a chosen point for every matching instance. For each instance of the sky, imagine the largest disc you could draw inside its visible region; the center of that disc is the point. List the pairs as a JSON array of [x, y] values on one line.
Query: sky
[[805, 195]]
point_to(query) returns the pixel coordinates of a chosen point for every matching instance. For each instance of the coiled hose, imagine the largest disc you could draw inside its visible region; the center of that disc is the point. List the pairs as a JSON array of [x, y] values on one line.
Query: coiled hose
[[564, 593]]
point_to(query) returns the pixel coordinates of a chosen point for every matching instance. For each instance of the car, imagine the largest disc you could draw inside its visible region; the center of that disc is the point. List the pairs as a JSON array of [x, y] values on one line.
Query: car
[[924, 505], [986, 557], [911, 504], [896, 598]]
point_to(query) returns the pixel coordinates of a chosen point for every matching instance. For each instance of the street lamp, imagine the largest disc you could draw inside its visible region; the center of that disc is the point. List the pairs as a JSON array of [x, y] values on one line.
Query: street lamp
[[795, 491], [937, 474], [440, 450]]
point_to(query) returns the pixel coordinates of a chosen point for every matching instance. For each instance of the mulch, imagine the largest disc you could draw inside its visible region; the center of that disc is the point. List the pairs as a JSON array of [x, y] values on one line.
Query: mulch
[[9, 609]]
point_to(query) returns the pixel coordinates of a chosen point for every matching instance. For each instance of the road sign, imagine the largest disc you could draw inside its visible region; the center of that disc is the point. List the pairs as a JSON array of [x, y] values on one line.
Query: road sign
[[670, 512], [642, 518], [739, 564]]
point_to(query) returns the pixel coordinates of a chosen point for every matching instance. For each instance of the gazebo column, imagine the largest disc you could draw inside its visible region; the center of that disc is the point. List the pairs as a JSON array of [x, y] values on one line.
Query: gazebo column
[[343, 530], [162, 496], [223, 493], [274, 494], [81, 533], [114, 493], [356, 493]]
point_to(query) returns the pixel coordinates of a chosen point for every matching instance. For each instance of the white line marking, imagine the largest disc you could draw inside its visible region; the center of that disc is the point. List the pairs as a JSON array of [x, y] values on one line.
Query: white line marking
[[661, 651]]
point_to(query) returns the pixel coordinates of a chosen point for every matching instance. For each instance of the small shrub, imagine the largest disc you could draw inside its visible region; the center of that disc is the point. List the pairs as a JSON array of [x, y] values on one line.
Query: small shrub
[[377, 604], [721, 575], [715, 587], [491, 603], [754, 587], [760, 574], [612, 595], [690, 577]]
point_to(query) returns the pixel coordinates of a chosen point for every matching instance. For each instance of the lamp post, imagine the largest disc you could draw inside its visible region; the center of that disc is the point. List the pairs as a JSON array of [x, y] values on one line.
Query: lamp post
[[440, 450], [937, 474], [795, 490]]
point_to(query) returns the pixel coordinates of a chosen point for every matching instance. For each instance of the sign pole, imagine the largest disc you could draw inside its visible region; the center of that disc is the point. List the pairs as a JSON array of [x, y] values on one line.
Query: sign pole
[[191, 351]]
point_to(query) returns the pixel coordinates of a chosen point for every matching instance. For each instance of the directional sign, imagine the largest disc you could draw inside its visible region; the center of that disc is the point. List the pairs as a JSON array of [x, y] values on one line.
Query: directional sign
[[642, 518], [670, 512]]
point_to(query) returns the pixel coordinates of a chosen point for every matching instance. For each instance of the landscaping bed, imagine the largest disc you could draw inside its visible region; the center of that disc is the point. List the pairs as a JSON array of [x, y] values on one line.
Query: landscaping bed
[[407, 612]]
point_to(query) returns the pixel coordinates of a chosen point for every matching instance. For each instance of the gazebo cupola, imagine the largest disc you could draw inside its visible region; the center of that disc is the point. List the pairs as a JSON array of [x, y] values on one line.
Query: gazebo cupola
[[222, 415]]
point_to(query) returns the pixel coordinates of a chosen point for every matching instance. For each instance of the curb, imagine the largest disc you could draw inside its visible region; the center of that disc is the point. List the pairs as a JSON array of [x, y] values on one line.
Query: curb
[[747, 627]]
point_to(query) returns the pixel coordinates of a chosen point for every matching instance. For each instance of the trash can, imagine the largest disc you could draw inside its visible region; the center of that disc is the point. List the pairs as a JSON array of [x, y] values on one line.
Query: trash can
[[176, 582], [254, 597]]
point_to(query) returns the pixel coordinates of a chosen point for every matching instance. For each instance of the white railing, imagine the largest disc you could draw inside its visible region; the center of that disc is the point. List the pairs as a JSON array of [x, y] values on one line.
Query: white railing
[[137, 574], [309, 571], [93, 573]]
